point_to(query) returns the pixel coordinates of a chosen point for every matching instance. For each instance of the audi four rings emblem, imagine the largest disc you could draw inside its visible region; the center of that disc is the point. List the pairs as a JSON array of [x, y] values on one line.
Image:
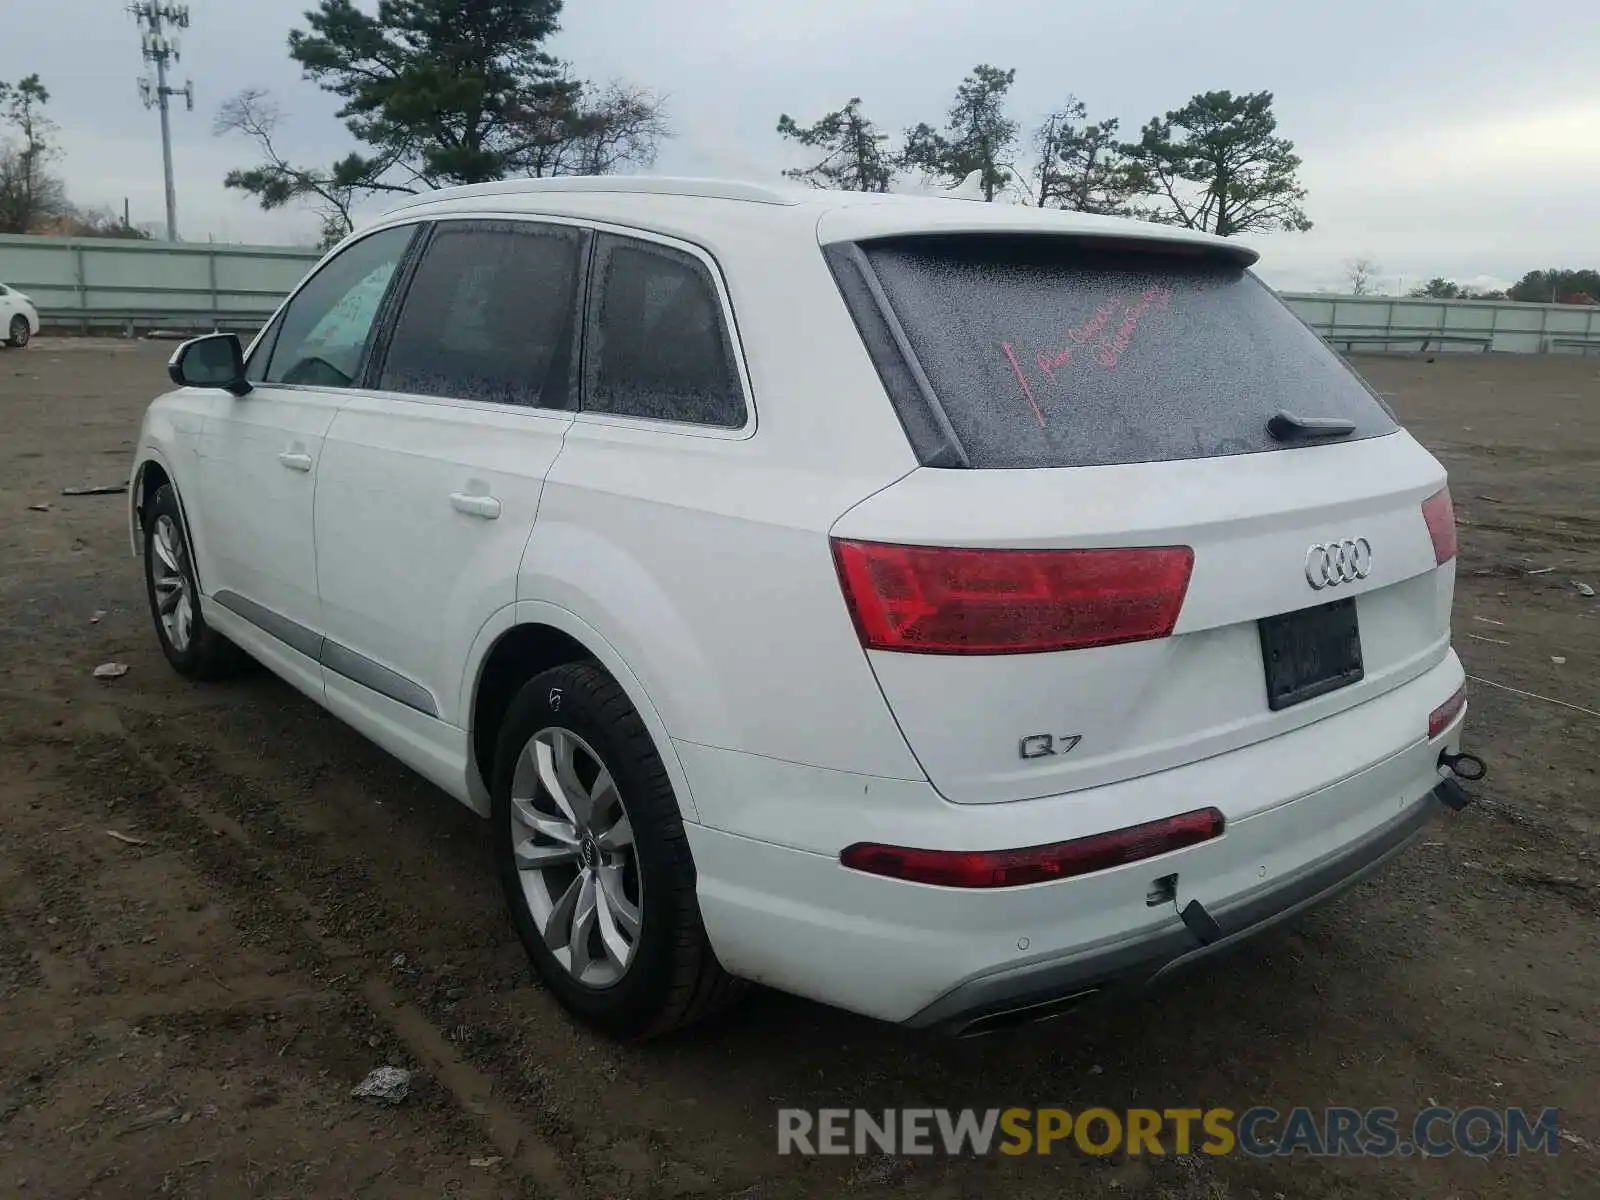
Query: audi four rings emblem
[[1328, 564]]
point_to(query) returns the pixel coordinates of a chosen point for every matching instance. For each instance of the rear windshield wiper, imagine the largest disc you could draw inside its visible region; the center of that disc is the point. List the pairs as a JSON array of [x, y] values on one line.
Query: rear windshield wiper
[[1285, 426]]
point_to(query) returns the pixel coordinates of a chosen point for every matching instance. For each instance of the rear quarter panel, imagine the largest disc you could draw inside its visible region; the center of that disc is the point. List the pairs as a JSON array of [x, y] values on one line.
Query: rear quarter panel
[[703, 557]]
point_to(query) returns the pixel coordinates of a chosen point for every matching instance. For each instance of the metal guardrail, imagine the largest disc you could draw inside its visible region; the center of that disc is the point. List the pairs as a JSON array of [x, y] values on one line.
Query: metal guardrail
[[108, 285], [1504, 326], [1388, 338], [1557, 345], [112, 286], [139, 322]]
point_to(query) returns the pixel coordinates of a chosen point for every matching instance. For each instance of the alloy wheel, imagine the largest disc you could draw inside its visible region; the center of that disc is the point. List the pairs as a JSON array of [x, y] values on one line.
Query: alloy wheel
[[574, 851], [170, 581], [20, 332]]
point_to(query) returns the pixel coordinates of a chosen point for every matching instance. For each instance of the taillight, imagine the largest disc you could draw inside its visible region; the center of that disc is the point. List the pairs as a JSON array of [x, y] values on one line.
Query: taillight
[[1038, 864], [1440, 719], [935, 600], [1440, 515]]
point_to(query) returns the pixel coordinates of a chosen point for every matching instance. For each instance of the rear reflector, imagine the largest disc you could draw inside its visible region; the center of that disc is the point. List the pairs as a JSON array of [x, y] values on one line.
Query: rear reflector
[[935, 600], [1039, 864], [1440, 515], [1439, 720]]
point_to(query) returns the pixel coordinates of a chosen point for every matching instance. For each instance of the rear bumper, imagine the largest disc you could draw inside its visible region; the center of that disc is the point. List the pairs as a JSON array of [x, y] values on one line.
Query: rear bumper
[[793, 917], [1042, 989]]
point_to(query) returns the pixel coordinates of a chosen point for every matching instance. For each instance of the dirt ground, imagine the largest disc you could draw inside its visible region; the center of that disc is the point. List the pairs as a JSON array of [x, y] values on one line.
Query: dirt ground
[[185, 1007]]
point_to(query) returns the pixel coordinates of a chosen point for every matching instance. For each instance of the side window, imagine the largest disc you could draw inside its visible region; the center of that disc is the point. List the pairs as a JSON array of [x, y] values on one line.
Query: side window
[[489, 315], [656, 344], [325, 330]]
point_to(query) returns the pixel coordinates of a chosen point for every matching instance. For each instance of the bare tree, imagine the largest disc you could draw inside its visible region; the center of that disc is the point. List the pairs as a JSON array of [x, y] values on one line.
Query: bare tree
[[442, 92], [99, 222], [622, 127], [277, 182], [29, 194], [30, 197], [1360, 275], [562, 132]]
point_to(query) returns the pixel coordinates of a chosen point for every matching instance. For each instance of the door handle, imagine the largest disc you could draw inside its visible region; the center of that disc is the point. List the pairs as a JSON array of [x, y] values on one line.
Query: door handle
[[486, 507], [295, 460]]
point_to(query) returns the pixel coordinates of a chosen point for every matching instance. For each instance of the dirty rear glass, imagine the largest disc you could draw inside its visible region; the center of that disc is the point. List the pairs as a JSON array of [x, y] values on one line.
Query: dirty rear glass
[[1046, 352]]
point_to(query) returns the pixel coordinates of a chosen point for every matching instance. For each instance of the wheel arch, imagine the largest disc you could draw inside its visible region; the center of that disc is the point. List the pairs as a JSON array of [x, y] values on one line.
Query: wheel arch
[[150, 473], [523, 640]]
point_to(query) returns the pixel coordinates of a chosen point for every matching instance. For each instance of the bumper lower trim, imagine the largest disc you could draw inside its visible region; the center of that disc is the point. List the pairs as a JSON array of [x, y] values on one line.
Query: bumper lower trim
[[1043, 989]]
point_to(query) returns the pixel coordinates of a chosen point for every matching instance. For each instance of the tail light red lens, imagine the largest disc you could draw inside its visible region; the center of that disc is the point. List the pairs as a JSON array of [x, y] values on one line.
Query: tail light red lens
[[1440, 515], [1440, 719], [936, 600], [1039, 864]]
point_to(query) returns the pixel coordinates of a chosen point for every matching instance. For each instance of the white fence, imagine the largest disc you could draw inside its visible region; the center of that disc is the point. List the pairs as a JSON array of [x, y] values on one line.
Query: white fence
[[89, 283]]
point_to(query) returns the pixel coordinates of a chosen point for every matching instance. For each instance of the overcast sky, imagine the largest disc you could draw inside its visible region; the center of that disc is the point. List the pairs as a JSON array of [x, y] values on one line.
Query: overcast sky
[[1459, 139]]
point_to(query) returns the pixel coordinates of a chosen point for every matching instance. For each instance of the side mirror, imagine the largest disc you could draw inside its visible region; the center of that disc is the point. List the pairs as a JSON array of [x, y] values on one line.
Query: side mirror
[[213, 361]]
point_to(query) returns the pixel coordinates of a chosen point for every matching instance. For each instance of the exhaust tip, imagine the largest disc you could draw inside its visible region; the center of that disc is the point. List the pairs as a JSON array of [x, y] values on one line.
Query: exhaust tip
[[1026, 1014]]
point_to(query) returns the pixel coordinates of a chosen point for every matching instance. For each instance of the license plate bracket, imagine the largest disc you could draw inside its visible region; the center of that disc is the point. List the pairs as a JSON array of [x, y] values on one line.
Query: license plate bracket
[[1310, 652]]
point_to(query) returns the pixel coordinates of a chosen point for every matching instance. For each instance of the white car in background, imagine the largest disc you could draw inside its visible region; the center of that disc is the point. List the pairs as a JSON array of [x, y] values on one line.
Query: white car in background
[[946, 611], [19, 320]]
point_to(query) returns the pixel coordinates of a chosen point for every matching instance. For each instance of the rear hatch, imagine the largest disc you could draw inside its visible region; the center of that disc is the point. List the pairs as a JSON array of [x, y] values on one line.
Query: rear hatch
[[1158, 518]]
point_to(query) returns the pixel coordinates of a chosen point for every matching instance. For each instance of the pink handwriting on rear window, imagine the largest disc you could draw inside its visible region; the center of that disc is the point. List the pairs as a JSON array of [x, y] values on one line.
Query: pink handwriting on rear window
[[1096, 323], [1023, 380], [1110, 351], [1088, 331], [1048, 364]]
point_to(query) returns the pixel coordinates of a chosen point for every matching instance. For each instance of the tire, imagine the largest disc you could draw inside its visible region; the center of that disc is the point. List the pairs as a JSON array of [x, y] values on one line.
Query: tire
[[19, 333], [668, 976], [192, 647]]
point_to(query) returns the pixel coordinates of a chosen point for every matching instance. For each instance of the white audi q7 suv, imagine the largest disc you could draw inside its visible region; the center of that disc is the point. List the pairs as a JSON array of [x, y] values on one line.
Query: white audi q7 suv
[[943, 610]]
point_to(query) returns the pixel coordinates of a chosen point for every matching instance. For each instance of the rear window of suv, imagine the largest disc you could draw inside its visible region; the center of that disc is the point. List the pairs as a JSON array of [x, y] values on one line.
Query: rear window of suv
[[1047, 351]]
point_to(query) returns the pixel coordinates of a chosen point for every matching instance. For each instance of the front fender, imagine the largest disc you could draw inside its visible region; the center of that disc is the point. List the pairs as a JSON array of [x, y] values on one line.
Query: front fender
[[151, 457], [170, 438], [147, 456]]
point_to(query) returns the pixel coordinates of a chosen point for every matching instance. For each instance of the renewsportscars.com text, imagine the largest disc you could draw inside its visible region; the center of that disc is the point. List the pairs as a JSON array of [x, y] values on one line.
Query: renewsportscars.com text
[[1257, 1132]]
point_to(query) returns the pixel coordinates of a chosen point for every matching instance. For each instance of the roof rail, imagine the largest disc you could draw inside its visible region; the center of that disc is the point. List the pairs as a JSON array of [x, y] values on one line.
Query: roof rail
[[713, 189]]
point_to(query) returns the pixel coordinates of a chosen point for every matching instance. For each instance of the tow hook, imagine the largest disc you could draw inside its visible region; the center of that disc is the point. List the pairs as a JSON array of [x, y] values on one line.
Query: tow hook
[[1461, 766]]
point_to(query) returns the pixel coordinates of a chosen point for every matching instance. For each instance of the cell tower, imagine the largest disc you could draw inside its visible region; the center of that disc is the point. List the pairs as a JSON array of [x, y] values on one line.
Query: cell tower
[[161, 48]]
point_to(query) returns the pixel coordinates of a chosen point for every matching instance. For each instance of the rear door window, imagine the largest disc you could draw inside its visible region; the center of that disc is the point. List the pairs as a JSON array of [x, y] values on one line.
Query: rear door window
[[1050, 352], [657, 346], [489, 315]]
